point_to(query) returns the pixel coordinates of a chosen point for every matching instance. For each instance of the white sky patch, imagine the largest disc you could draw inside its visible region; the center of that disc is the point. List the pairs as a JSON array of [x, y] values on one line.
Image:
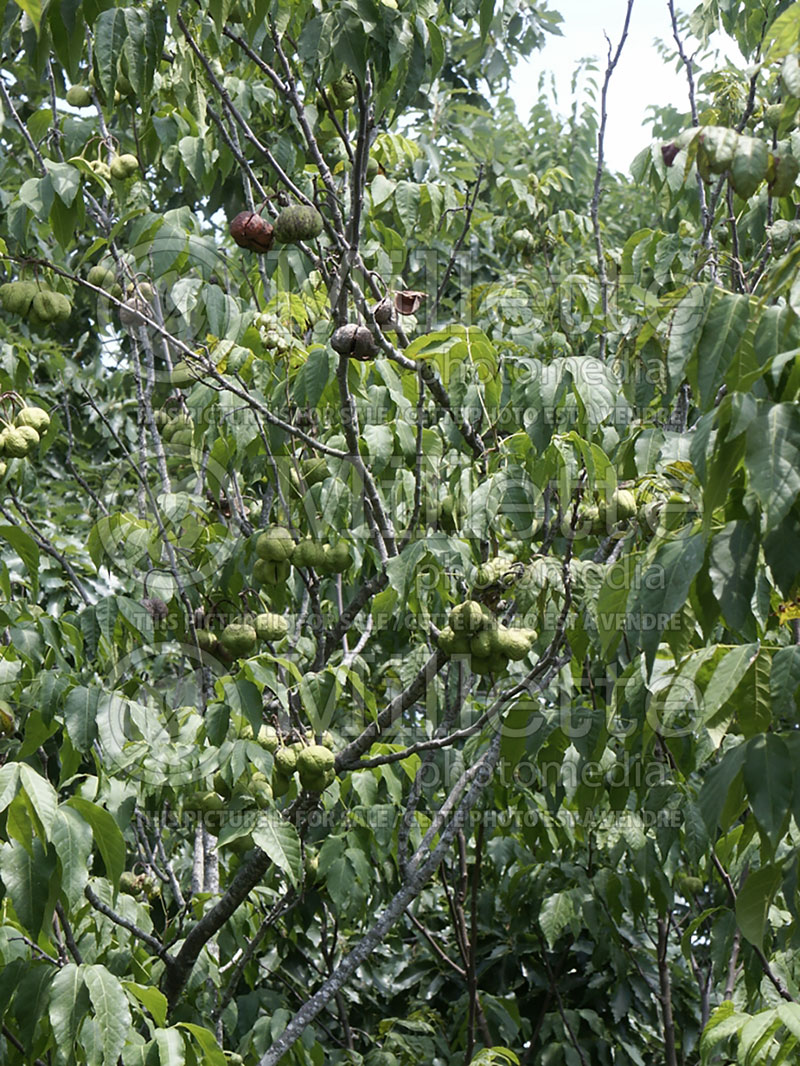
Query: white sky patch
[[641, 77]]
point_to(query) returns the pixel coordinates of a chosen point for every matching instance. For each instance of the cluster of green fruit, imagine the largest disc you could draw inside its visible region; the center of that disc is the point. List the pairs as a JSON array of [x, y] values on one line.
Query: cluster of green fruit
[[494, 570], [139, 885], [104, 277], [120, 168], [600, 517], [39, 305], [273, 337], [311, 472], [123, 166], [175, 429], [524, 241], [314, 764], [238, 640], [342, 92], [473, 630], [20, 437], [747, 160], [661, 505], [79, 96], [251, 792], [276, 550], [253, 784]]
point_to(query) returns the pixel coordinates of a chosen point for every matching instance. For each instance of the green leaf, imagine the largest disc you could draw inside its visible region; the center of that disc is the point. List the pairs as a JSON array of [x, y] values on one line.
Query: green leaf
[[66, 180], [42, 796], [753, 903], [612, 599], [30, 1001], [33, 9], [726, 677], [72, 838], [110, 31], [732, 571], [27, 549], [784, 680], [106, 611], [768, 774], [68, 1003], [281, 843], [750, 701], [783, 36], [110, 1009], [213, 1054], [9, 782], [790, 74], [555, 914], [486, 16], [754, 1033], [749, 167], [107, 835], [80, 716], [151, 998], [407, 200], [716, 786], [144, 43], [313, 377], [789, 1013], [685, 331], [773, 460], [171, 1048], [663, 589], [379, 441], [723, 329], [27, 880], [66, 221]]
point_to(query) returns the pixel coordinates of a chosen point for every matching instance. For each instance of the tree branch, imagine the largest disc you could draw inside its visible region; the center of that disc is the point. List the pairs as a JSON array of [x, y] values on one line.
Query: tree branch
[[665, 983], [155, 945], [409, 891], [179, 967], [613, 59], [776, 982]]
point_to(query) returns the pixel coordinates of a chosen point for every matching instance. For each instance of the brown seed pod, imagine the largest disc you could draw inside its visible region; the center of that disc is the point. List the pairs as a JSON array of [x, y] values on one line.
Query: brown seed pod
[[384, 312], [355, 341], [344, 338], [364, 346], [407, 302], [156, 608], [131, 312], [252, 232]]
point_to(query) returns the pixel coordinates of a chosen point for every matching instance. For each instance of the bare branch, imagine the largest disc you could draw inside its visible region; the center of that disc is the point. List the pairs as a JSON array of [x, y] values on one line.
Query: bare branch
[[776, 982], [154, 944], [613, 59], [408, 892]]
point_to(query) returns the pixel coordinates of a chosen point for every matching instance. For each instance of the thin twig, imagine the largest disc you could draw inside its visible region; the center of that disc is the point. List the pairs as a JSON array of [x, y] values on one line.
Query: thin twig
[[688, 62], [469, 209], [613, 59], [155, 945], [776, 982]]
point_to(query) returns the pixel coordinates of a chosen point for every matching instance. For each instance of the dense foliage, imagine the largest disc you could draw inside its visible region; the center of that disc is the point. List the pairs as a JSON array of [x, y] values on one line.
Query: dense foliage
[[399, 525]]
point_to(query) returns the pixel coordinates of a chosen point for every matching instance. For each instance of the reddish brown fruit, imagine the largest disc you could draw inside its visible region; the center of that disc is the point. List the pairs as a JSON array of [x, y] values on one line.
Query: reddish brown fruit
[[251, 231], [355, 341], [408, 301], [384, 313]]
